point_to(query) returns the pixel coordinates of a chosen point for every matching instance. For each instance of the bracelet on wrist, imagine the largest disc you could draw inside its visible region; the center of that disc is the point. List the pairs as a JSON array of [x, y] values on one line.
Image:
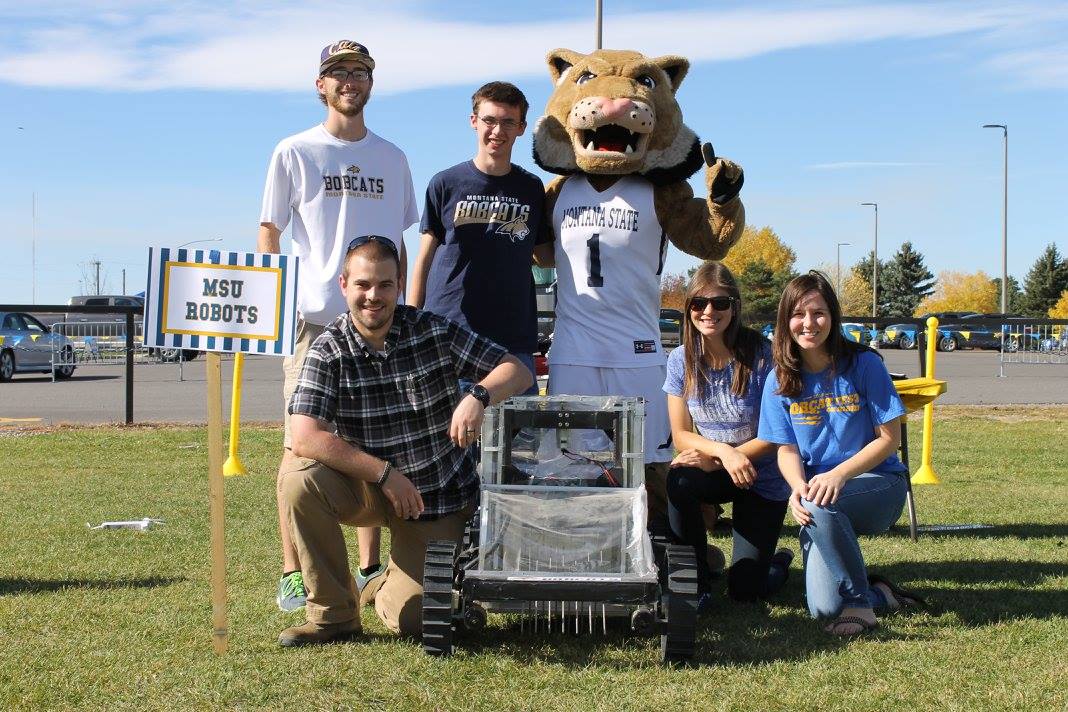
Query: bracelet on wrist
[[385, 474]]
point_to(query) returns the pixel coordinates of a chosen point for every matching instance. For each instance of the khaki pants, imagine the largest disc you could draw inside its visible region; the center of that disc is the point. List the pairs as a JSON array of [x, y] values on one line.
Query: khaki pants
[[317, 501], [291, 365]]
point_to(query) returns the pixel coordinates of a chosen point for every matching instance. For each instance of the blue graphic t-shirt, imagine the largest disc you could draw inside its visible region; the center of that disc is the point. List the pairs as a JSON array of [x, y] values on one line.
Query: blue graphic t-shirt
[[487, 227], [835, 415], [727, 418]]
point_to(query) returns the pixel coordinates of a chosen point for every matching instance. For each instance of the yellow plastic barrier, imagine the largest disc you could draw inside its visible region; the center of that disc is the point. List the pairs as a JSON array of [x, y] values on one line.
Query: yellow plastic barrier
[[916, 392], [233, 465]]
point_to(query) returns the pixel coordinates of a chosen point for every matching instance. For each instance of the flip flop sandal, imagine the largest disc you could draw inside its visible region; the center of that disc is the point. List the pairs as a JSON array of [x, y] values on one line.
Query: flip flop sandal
[[865, 626], [903, 597]]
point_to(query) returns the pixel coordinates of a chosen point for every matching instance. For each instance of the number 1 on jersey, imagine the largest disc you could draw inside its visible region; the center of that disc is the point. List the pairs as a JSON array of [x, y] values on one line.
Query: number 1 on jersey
[[594, 279]]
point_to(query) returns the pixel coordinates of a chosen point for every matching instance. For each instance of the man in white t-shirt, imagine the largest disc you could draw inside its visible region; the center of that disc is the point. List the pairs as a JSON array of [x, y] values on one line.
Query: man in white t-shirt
[[332, 183]]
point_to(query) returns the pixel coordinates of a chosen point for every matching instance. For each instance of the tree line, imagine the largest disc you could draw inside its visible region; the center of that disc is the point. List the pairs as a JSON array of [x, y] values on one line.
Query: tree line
[[763, 264]]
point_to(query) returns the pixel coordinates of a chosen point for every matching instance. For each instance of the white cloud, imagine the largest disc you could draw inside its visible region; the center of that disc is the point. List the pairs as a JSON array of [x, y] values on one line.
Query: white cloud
[[1041, 68], [134, 45]]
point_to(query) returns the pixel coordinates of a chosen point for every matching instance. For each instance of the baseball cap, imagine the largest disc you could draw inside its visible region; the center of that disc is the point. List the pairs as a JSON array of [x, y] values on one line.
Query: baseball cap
[[345, 50]]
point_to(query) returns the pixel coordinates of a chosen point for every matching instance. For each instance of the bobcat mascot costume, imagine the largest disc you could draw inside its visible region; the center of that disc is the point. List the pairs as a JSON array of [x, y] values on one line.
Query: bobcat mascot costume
[[613, 131]]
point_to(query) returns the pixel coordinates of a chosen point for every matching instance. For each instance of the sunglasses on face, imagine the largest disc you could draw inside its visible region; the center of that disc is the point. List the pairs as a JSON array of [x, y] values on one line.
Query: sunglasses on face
[[699, 304], [364, 239]]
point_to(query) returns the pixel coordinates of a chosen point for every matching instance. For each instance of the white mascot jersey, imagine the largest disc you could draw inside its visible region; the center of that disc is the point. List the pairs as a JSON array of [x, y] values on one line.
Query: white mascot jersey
[[610, 252]]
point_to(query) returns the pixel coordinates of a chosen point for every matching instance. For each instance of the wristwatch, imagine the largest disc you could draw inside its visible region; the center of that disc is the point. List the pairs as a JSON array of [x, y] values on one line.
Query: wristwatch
[[480, 393]]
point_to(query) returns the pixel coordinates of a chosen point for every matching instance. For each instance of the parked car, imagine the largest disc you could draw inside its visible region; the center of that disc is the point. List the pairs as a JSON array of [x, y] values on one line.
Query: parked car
[[670, 327], [970, 333], [104, 300], [857, 332], [28, 346], [854, 332], [905, 336], [899, 336], [112, 325]]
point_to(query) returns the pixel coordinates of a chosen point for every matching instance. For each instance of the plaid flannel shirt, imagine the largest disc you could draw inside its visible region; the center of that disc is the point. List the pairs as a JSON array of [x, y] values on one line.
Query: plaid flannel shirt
[[398, 405]]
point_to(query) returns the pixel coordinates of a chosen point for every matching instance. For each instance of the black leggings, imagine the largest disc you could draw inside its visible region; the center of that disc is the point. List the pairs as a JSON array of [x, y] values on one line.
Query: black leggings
[[757, 523]]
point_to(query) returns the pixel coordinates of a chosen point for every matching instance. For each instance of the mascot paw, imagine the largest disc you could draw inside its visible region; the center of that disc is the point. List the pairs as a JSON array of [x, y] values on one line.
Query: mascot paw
[[723, 177]]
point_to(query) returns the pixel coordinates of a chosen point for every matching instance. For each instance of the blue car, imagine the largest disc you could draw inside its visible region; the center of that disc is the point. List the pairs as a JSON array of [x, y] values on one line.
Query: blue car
[[858, 333], [969, 333], [904, 336], [854, 332], [28, 346]]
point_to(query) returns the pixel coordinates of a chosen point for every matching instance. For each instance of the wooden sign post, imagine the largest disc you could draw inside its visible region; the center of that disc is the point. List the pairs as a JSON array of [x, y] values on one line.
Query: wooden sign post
[[220, 302]]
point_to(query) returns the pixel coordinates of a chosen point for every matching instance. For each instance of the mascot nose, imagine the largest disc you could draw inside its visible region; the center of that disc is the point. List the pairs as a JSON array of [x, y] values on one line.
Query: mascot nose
[[613, 109]]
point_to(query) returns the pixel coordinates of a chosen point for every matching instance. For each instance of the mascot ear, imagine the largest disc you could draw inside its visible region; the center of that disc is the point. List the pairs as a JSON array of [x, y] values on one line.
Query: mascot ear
[[561, 60], [674, 67]]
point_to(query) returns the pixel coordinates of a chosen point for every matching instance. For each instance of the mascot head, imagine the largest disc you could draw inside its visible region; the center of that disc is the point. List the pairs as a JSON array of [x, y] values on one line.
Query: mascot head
[[614, 112]]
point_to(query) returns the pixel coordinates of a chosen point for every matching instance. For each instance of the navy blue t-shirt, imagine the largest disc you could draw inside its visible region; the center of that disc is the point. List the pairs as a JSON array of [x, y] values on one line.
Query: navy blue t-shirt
[[487, 227]]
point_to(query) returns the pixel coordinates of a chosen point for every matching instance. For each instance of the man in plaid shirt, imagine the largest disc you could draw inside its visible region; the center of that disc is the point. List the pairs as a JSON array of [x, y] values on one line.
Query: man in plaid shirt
[[381, 436]]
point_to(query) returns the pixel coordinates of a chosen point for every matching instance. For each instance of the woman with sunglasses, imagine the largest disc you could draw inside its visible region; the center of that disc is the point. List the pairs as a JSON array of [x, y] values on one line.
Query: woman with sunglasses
[[833, 411], [714, 382]]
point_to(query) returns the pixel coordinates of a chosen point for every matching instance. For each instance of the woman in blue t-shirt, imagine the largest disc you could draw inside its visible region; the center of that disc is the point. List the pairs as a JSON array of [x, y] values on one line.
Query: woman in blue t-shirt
[[833, 410], [714, 382]]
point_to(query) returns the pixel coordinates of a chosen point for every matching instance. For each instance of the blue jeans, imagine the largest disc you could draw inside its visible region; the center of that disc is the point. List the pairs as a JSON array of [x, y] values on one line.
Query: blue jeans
[[835, 575]]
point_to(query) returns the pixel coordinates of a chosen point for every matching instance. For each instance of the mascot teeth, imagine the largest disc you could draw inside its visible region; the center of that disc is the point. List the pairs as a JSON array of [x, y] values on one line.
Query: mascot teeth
[[611, 138]]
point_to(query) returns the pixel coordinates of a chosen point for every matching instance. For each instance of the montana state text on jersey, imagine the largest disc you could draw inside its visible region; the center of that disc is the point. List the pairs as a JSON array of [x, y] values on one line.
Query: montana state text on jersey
[[599, 216], [810, 412]]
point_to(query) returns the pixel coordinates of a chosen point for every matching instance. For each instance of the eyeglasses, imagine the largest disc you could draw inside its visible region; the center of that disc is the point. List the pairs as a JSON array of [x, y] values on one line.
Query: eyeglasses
[[364, 239], [507, 124], [699, 304], [341, 75]]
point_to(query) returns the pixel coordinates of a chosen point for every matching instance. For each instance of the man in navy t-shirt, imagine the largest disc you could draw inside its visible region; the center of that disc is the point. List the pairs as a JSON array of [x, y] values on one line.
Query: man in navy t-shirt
[[481, 221]]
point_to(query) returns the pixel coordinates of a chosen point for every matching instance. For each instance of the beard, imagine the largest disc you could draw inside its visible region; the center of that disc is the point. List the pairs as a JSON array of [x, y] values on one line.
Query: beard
[[345, 105], [373, 323]]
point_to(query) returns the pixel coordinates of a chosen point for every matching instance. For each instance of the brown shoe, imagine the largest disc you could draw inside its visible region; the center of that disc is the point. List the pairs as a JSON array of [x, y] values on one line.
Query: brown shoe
[[319, 633]]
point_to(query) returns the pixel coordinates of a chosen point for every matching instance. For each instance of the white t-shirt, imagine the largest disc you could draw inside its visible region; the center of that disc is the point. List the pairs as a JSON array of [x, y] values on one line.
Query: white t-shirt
[[335, 190], [610, 252]]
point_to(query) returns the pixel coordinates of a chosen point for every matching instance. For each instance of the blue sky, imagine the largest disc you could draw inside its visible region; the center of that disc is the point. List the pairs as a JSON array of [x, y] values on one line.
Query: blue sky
[[150, 124]]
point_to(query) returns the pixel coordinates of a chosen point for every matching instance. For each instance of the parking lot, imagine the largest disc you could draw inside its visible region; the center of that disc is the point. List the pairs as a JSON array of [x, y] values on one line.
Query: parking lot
[[95, 394]]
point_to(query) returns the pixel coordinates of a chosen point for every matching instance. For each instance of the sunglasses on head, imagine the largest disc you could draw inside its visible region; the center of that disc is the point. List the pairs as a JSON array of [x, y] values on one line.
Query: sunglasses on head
[[718, 303], [364, 239]]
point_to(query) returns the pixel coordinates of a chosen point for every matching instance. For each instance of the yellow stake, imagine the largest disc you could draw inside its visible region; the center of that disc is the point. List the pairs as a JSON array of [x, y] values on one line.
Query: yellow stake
[[233, 465], [926, 474], [217, 496]]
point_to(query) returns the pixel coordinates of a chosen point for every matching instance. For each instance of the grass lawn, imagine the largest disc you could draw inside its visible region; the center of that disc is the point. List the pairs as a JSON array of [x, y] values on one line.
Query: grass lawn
[[120, 619]]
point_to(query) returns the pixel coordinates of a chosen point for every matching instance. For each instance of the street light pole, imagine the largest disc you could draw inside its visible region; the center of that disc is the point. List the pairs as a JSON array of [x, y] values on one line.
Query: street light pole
[[599, 25], [33, 251], [875, 265], [838, 268], [1004, 220]]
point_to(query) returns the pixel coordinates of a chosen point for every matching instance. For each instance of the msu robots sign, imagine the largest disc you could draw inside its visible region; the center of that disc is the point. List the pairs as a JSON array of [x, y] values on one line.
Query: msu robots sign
[[221, 301]]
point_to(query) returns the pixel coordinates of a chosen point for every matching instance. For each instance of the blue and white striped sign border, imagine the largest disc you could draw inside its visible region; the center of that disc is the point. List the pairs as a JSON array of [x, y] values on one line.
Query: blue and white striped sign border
[[286, 314]]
